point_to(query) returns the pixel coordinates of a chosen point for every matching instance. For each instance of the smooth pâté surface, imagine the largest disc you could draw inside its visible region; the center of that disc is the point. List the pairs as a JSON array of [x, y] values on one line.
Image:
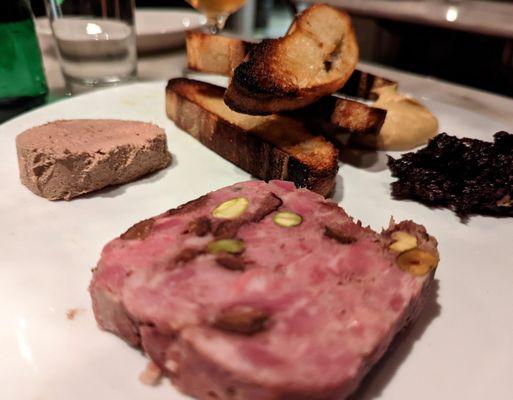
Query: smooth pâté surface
[[66, 158], [301, 302]]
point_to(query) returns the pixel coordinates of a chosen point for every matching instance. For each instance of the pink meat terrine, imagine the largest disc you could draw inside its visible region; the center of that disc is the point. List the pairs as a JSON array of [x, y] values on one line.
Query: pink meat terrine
[[261, 291]]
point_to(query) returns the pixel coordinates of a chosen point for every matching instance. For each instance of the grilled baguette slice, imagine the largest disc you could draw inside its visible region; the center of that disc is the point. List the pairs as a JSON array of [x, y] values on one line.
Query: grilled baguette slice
[[365, 85], [340, 115], [268, 147], [314, 59], [221, 54]]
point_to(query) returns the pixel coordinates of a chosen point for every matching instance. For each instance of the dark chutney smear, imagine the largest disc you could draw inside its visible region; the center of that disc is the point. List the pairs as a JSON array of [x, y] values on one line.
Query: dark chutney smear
[[468, 176]]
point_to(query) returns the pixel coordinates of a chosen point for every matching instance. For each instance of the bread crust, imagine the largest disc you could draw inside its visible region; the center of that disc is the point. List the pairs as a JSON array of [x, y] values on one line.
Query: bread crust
[[276, 147]]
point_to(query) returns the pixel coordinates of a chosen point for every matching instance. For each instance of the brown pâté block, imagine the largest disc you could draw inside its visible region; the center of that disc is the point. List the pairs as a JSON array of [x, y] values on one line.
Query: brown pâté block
[[66, 158]]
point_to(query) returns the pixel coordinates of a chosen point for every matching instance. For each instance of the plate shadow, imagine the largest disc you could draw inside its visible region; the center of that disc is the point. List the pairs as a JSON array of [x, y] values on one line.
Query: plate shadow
[[373, 161], [376, 380], [117, 190]]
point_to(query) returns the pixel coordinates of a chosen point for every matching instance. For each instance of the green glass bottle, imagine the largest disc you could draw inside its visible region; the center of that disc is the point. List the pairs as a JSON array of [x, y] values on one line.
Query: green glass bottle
[[22, 77]]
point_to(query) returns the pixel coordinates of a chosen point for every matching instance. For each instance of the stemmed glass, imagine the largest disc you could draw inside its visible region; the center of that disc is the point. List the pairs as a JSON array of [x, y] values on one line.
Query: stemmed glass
[[216, 11]]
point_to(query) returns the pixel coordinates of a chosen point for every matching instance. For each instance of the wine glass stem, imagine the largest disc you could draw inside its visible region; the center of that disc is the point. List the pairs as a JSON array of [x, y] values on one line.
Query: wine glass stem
[[215, 23]]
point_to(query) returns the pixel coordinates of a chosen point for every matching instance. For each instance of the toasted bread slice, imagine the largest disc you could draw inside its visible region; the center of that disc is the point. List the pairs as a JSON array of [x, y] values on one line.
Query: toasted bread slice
[[270, 147], [365, 85], [315, 58], [221, 54], [218, 54], [344, 116], [215, 53]]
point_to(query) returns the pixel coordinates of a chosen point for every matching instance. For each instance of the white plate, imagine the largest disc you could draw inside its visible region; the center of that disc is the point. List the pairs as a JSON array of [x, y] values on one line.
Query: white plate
[[157, 29], [461, 348]]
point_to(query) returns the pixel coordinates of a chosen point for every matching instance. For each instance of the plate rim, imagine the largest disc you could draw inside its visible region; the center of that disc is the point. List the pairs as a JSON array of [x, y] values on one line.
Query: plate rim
[[390, 382], [43, 28]]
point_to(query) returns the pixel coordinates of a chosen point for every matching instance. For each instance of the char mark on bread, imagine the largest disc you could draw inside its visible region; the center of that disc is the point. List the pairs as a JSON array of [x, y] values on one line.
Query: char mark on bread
[[364, 85]]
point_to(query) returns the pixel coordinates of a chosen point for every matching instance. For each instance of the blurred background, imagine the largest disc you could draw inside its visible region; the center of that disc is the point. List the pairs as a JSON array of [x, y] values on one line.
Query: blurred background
[[467, 42]]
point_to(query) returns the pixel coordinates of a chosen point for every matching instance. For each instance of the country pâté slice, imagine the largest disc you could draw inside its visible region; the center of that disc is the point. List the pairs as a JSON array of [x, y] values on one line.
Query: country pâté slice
[[314, 59], [263, 291], [268, 147]]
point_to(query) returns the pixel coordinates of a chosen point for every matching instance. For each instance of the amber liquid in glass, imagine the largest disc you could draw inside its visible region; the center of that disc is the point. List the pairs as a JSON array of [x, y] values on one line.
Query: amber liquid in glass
[[216, 11], [215, 7]]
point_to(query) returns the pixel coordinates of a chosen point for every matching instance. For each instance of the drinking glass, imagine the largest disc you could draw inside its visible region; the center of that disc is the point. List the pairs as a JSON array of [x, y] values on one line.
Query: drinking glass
[[216, 11], [95, 41]]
